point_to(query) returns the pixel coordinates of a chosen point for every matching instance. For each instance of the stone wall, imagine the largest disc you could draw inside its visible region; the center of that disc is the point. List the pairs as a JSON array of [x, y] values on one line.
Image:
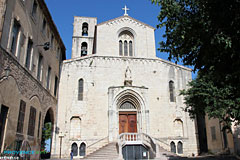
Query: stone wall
[[104, 78], [2, 11], [21, 85]]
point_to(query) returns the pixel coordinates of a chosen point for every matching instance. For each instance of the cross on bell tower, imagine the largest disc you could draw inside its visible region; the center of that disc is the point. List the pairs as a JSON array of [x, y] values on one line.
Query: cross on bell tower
[[125, 9]]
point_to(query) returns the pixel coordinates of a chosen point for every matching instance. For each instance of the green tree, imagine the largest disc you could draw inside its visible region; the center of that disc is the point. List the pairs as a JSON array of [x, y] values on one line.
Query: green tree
[[46, 134], [206, 35]]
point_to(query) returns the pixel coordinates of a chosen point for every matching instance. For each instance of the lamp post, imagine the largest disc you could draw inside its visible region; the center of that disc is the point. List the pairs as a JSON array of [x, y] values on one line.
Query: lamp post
[[60, 136], [45, 46], [7, 71]]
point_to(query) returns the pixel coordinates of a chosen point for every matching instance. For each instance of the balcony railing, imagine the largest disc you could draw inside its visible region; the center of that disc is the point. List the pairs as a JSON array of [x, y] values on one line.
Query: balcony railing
[[136, 138]]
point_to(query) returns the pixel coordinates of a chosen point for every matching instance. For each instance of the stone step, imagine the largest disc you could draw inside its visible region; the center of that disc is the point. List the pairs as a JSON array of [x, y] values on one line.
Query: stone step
[[108, 151], [96, 147], [105, 153], [103, 156]]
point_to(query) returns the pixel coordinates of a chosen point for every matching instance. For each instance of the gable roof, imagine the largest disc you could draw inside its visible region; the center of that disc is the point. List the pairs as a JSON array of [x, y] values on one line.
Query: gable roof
[[127, 17]]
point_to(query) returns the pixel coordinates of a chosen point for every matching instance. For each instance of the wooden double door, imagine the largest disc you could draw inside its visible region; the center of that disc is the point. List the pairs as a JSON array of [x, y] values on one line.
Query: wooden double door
[[127, 122]]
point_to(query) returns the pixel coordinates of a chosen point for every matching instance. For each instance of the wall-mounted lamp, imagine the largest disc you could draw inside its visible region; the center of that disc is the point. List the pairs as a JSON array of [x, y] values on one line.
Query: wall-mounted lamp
[[7, 71], [45, 46]]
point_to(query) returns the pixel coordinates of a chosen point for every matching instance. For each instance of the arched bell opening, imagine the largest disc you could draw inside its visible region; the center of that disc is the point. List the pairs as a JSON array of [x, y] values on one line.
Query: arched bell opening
[[85, 29]]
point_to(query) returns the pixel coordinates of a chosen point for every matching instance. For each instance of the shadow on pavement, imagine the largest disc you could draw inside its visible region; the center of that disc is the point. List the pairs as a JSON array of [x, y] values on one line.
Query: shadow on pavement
[[221, 157]]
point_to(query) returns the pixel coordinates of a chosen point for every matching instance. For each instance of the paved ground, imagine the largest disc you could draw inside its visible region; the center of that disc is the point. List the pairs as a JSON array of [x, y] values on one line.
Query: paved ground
[[205, 158], [195, 158]]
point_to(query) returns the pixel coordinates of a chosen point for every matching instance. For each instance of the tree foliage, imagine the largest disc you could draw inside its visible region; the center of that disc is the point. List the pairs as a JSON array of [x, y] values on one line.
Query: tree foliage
[[206, 35], [204, 96], [46, 134]]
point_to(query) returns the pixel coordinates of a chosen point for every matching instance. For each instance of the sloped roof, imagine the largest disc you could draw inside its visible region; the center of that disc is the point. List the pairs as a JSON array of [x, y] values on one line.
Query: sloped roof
[[127, 17]]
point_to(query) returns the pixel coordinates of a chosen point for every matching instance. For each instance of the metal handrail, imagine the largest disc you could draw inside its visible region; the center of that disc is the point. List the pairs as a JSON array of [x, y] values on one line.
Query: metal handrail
[[97, 142], [162, 141]]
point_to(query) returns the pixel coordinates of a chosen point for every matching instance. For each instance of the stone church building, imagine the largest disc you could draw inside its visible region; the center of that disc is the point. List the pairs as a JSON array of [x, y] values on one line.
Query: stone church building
[[115, 90]]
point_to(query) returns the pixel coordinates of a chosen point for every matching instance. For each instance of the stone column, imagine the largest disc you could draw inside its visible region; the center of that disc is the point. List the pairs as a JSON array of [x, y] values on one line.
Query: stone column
[[147, 121], [111, 125]]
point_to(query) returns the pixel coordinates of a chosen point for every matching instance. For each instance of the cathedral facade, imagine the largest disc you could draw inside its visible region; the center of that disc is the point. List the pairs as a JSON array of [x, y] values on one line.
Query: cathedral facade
[[114, 85]]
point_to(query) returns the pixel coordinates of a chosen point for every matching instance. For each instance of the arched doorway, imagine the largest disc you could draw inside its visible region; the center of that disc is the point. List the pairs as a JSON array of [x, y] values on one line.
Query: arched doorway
[[180, 147], [127, 118], [74, 149], [82, 149], [47, 132], [173, 147]]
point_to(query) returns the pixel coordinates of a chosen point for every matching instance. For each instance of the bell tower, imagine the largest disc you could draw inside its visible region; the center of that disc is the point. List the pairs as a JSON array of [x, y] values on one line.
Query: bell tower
[[83, 36]]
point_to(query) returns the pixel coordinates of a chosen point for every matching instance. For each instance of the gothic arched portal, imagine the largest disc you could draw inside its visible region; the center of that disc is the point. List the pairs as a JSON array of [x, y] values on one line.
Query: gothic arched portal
[[127, 111]]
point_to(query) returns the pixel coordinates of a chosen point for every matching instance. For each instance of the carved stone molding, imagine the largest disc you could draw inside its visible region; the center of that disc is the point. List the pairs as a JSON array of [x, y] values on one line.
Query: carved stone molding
[[27, 84]]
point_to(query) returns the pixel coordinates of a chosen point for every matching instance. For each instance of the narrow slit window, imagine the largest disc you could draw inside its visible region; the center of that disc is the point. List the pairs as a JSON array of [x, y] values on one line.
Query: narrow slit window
[[80, 90], [130, 49], [40, 66], [56, 86], [29, 54], [125, 48], [31, 122], [34, 9], [171, 90], [21, 116], [14, 36], [48, 78], [120, 48]]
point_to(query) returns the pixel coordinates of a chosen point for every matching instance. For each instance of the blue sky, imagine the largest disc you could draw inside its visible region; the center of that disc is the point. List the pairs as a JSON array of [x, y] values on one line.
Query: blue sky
[[63, 11]]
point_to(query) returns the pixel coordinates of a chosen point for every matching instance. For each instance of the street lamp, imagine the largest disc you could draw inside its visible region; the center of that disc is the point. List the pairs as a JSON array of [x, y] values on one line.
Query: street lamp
[[46, 46], [61, 135], [7, 71]]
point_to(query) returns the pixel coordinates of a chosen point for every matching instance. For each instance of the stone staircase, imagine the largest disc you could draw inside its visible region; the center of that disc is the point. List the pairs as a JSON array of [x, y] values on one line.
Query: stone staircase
[[107, 152], [163, 154]]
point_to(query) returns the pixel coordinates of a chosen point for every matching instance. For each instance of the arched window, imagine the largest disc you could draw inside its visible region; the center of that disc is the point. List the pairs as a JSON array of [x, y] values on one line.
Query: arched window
[[180, 147], [178, 127], [80, 89], [85, 29], [75, 149], [130, 48], [126, 41], [173, 147], [120, 48], [75, 124], [82, 149], [171, 91], [125, 48], [84, 47], [127, 105]]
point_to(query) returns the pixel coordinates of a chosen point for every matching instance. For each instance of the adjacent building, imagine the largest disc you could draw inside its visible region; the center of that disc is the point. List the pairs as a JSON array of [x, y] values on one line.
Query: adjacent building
[[31, 55], [213, 137]]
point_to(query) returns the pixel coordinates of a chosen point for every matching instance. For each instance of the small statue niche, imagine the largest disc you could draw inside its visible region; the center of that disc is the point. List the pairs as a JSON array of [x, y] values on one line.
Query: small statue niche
[[128, 77]]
